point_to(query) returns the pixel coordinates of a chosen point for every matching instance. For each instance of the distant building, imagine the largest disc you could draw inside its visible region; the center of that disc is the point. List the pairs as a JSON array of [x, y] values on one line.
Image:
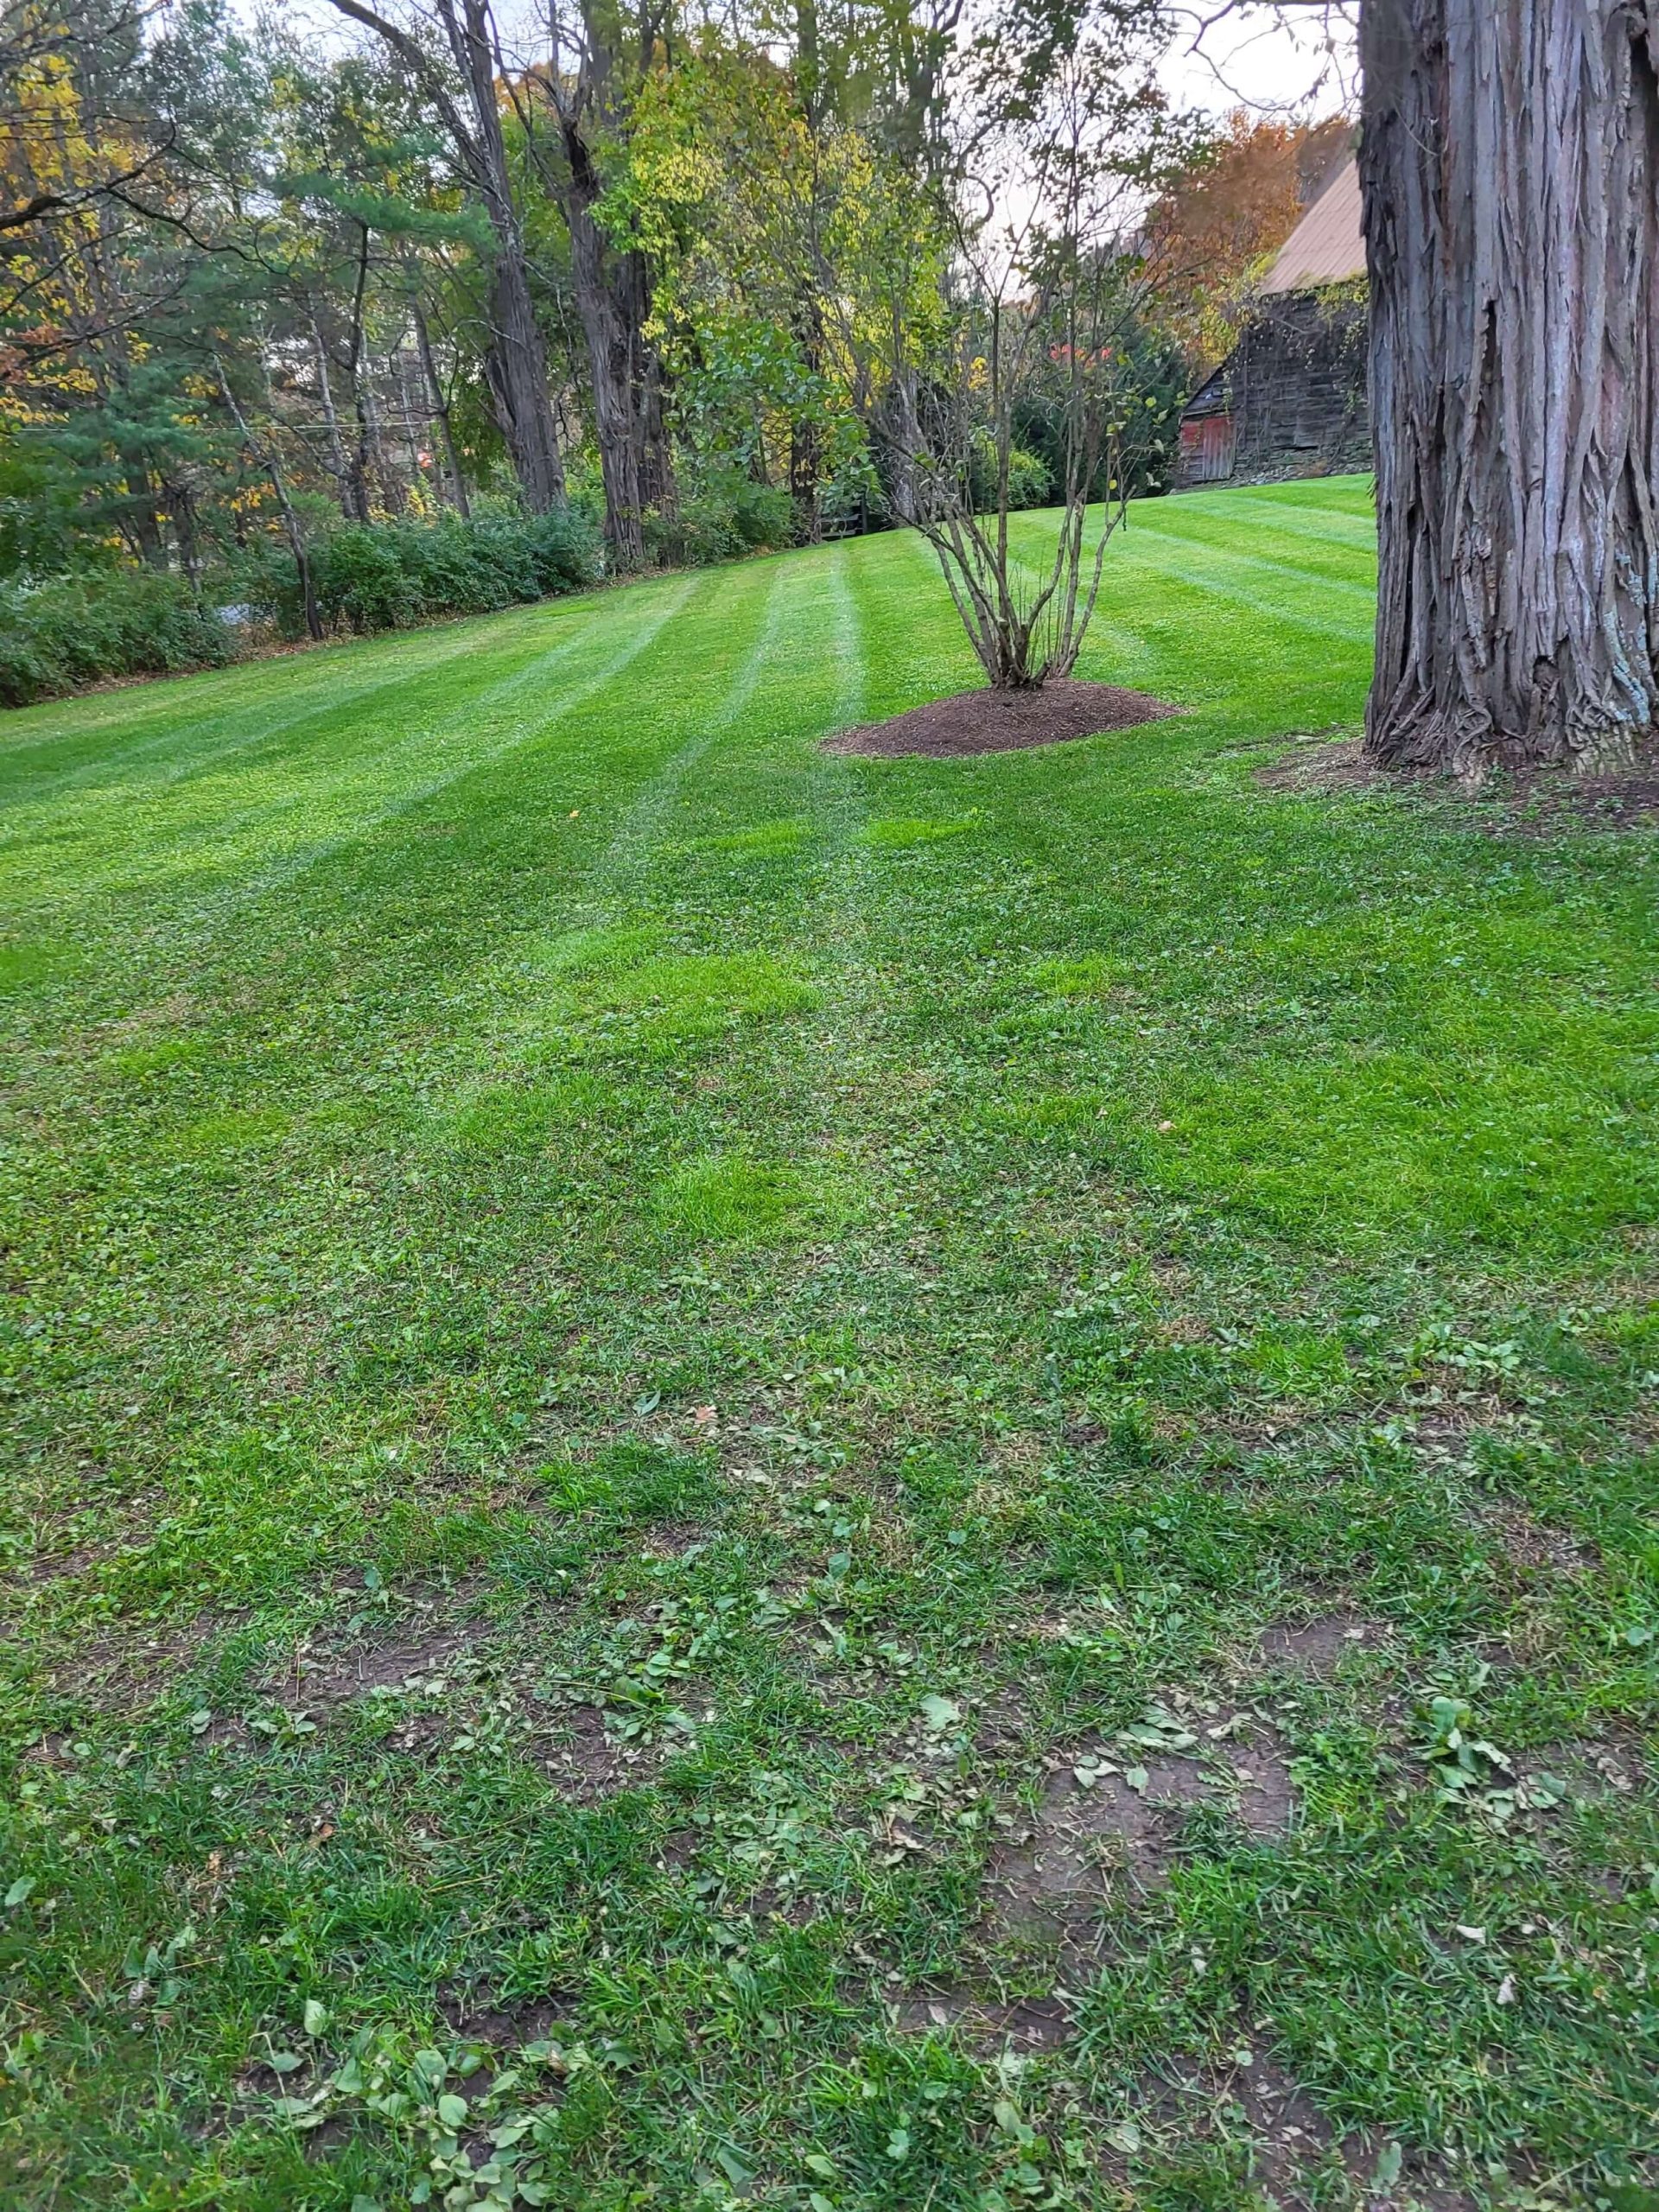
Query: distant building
[[1289, 400]]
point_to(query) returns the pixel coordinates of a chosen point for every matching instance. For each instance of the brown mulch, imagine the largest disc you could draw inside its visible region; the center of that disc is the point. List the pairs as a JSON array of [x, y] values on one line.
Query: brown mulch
[[1538, 799], [1002, 721]]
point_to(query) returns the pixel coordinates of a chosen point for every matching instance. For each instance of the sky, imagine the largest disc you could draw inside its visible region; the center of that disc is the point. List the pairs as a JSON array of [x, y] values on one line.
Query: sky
[[1257, 62], [1260, 62]]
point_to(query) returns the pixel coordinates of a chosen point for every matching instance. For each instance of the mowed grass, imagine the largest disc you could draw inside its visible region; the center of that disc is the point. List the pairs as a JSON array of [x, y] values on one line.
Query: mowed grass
[[741, 1477]]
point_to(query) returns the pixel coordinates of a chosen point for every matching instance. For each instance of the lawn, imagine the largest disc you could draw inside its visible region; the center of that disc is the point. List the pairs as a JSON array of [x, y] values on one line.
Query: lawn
[[740, 1476]]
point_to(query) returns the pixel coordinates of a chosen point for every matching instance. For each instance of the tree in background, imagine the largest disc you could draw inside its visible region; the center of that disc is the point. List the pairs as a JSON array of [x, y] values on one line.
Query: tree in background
[[460, 83], [1067, 138], [1224, 217], [574, 111], [718, 278]]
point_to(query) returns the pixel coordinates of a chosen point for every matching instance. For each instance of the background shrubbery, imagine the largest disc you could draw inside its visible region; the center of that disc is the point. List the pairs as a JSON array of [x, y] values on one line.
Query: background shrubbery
[[67, 631], [728, 516], [72, 630], [385, 575]]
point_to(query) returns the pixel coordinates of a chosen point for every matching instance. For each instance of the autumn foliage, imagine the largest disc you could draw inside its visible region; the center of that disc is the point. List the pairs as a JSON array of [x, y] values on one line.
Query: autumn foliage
[[1219, 228]]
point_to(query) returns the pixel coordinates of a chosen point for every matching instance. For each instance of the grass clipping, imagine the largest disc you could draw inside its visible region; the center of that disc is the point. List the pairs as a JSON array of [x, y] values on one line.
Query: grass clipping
[[1002, 721]]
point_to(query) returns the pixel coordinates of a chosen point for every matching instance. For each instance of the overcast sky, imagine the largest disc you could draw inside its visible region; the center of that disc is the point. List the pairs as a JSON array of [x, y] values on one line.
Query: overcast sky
[[1255, 61], [1259, 62]]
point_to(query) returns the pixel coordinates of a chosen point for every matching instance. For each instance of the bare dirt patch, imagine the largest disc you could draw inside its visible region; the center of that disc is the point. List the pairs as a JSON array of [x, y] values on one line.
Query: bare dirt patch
[[1128, 1823], [334, 1677], [1026, 2022], [1539, 800], [1002, 721], [477, 2016], [585, 1763], [1004, 1723], [1318, 1647], [1532, 1545], [1288, 2142]]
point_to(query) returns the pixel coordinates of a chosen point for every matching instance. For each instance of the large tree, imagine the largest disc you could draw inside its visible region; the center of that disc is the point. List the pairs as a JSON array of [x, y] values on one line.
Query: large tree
[[466, 98], [1510, 160], [601, 53]]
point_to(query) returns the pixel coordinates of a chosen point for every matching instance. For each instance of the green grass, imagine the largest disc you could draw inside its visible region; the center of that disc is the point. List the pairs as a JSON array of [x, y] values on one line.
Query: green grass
[[623, 1340]]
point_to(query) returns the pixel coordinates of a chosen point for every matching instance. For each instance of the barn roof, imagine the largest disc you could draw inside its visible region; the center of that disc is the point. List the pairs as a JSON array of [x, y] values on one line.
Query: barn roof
[[1326, 246]]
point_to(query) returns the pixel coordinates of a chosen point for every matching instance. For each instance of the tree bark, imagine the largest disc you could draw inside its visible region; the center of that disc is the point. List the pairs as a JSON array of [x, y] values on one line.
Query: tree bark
[[356, 480], [515, 361], [339, 466], [1509, 163], [515, 368], [515, 365], [612, 283], [613, 294], [440, 406]]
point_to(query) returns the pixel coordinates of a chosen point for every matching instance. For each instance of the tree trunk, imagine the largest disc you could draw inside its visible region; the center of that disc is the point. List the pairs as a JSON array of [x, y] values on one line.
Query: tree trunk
[[339, 466], [515, 363], [613, 292], [1509, 163], [266, 454], [515, 368], [142, 525], [805, 440], [439, 407]]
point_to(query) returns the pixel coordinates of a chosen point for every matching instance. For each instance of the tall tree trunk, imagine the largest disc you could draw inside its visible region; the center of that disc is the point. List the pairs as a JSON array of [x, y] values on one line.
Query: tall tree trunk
[[805, 438], [515, 364], [266, 454], [356, 477], [612, 283], [1510, 162], [515, 368], [439, 407], [515, 361], [612, 293], [339, 466]]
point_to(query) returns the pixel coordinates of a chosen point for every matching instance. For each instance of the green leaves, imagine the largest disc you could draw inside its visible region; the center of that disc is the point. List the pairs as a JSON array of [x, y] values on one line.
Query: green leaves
[[940, 1713]]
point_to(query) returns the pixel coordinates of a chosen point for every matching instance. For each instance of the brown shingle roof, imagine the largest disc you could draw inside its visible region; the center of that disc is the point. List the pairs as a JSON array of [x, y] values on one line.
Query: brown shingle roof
[[1326, 246]]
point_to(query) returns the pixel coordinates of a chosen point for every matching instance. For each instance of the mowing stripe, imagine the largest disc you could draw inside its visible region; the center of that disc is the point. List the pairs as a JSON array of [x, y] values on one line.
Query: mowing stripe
[[120, 742], [365, 786], [284, 872], [1323, 581]]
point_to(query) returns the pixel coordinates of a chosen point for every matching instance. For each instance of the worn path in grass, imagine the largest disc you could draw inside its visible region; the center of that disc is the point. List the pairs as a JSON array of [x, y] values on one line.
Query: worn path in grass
[[741, 1475]]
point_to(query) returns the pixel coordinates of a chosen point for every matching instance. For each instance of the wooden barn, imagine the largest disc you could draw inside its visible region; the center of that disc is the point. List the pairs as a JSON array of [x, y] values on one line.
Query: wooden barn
[[1289, 400]]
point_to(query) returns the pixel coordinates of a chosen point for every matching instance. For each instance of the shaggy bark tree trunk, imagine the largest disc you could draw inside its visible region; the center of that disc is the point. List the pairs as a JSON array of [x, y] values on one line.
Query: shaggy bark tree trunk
[[515, 368], [613, 294], [515, 364], [1510, 160], [604, 296]]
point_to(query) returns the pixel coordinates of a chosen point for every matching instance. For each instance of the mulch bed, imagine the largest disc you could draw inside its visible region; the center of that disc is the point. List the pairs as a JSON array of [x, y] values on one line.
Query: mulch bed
[[1002, 721]]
